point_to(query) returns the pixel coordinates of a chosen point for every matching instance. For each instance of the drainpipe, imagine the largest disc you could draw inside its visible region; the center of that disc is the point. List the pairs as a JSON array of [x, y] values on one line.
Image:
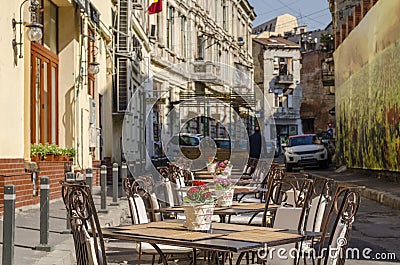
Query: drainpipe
[[80, 83]]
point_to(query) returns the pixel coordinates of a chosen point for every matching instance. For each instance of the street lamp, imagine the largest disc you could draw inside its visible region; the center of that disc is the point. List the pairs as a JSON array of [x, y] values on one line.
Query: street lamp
[[34, 32], [94, 66]]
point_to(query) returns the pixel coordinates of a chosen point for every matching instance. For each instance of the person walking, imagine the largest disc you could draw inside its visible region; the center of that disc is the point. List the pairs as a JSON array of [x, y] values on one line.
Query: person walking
[[255, 143]]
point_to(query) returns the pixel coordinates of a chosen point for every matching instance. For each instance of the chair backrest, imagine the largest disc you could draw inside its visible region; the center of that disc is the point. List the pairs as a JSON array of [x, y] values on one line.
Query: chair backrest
[[275, 171], [260, 170], [169, 193], [277, 194], [85, 226], [250, 166], [155, 217], [337, 228], [320, 198], [136, 194], [287, 217]]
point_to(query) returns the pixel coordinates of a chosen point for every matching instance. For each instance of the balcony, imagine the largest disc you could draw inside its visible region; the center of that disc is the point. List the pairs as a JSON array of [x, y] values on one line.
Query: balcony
[[328, 77], [204, 71], [328, 72], [284, 79], [286, 113]]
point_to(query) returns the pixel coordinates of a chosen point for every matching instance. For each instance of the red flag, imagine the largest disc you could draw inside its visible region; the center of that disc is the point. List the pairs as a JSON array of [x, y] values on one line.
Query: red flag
[[155, 7]]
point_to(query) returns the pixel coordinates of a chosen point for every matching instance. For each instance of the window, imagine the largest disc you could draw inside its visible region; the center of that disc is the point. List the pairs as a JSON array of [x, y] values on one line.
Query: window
[[224, 16], [200, 47], [232, 31], [44, 94], [283, 66], [170, 23], [49, 20], [183, 37], [283, 101]]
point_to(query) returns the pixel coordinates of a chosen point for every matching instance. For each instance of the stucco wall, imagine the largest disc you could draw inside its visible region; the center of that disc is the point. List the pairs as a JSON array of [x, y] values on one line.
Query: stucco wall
[[12, 85], [368, 91]]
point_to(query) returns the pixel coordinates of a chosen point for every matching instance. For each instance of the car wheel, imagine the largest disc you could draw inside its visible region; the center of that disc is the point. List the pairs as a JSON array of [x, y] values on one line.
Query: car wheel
[[324, 164]]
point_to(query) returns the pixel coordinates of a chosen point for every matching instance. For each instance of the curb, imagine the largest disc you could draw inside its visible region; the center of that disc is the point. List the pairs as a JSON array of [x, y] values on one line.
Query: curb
[[384, 198]]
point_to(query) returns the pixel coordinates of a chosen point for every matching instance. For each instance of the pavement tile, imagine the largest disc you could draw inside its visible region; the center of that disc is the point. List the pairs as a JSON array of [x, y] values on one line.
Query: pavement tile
[[370, 216]]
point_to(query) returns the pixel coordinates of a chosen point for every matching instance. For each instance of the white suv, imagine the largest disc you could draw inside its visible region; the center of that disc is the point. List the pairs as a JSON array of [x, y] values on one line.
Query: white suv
[[303, 150]]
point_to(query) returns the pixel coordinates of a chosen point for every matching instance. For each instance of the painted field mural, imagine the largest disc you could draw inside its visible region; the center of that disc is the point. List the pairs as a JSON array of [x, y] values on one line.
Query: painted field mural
[[368, 92]]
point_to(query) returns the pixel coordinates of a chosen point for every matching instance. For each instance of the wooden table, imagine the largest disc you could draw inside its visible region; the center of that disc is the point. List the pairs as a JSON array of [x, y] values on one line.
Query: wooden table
[[221, 238]]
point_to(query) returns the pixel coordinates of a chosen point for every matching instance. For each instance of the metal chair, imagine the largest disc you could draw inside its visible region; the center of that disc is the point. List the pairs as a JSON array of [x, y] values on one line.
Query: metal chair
[[85, 226], [262, 174], [138, 196], [249, 168], [337, 228]]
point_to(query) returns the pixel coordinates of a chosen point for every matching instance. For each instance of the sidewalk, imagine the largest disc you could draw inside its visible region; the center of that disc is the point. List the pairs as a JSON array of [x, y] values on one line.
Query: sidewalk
[[381, 190], [27, 222], [27, 231]]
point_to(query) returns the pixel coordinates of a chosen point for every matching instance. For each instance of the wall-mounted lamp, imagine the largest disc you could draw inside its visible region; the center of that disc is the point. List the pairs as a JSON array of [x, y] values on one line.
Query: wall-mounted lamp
[[94, 66], [270, 90], [34, 32]]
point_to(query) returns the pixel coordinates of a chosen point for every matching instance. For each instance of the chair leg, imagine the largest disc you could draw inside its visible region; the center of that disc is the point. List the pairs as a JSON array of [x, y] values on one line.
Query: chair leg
[[140, 254], [153, 259]]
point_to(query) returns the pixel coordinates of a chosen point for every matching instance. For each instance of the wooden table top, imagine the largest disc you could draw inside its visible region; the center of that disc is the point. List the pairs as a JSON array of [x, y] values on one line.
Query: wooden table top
[[222, 237]]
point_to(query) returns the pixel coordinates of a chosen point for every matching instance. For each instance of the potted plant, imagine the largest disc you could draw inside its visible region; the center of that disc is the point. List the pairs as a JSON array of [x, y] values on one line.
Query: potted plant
[[51, 151], [35, 152], [70, 153], [58, 153], [223, 192], [223, 169], [198, 207], [211, 164]]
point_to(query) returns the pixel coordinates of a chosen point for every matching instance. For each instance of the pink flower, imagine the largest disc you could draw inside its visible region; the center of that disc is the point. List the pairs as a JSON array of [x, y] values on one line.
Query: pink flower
[[193, 190]]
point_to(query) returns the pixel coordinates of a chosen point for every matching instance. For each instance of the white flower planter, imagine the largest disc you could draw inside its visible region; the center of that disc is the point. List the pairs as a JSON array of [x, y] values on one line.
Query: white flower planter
[[211, 167], [198, 216], [228, 170], [224, 197]]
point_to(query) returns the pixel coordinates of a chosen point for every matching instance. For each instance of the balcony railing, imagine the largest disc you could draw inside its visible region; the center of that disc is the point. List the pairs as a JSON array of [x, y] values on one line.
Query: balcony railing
[[204, 71], [287, 78], [286, 113], [328, 77]]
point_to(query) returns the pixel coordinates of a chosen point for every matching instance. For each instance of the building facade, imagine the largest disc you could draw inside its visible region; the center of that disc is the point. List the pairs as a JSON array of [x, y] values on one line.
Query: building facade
[[277, 73], [278, 26], [199, 48], [318, 100], [75, 86], [52, 88], [317, 78]]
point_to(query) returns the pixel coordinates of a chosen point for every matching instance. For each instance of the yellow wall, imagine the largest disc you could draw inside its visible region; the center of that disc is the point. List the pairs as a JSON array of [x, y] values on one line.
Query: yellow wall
[[12, 86], [367, 78]]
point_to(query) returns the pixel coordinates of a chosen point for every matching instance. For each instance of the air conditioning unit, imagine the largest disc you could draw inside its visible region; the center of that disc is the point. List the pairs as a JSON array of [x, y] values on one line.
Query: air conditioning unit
[[153, 31]]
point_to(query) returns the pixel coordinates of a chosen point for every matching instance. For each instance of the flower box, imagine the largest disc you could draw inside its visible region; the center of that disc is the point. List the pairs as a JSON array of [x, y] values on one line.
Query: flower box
[[224, 197], [198, 216]]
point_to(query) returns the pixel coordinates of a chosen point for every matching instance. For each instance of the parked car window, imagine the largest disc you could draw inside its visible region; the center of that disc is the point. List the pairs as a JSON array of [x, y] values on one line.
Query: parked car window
[[223, 143], [304, 140], [188, 141]]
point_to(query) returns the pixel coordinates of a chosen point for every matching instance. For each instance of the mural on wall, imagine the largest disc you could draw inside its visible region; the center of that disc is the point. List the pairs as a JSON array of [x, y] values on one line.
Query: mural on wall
[[368, 122]]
